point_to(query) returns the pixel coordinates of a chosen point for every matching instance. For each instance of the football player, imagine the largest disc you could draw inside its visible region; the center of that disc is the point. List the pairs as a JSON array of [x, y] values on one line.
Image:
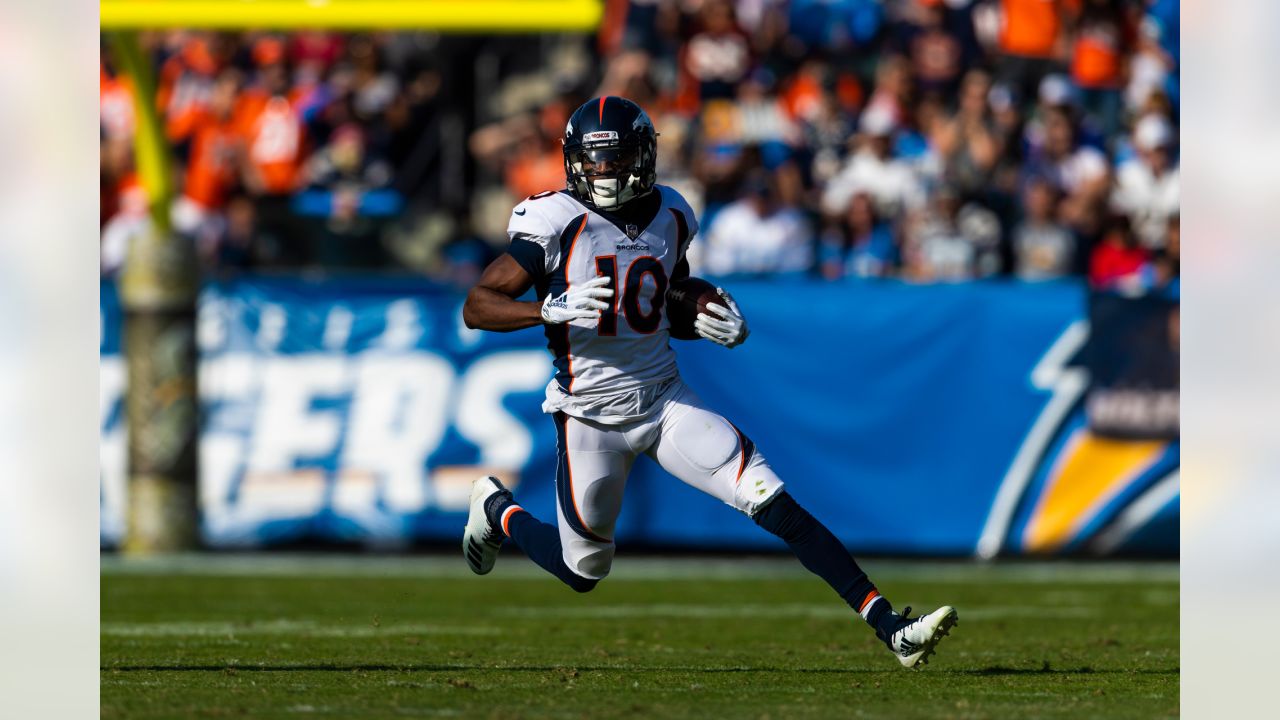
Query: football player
[[601, 254]]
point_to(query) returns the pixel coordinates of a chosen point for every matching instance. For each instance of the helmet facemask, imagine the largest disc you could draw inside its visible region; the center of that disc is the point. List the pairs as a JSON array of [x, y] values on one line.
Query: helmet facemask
[[609, 175]]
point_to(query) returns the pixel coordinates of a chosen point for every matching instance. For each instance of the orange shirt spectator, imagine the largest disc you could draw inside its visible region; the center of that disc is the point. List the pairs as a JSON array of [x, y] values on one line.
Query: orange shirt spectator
[[1095, 62], [215, 153], [211, 172], [186, 82], [115, 105], [273, 136], [802, 96], [1102, 39], [1030, 28]]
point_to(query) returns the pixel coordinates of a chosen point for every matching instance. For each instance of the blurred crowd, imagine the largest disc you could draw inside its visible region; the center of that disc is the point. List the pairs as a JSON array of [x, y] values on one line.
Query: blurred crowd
[[932, 140]]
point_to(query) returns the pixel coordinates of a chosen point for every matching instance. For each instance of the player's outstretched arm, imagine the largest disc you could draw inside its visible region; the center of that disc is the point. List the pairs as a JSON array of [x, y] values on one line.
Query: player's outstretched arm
[[492, 304]]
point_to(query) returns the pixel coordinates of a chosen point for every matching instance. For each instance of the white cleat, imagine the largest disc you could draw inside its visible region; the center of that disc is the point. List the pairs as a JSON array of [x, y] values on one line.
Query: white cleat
[[481, 539], [915, 641]]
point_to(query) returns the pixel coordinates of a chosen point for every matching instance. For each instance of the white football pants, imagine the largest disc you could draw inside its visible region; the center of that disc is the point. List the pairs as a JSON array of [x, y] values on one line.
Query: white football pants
[[691, 442]]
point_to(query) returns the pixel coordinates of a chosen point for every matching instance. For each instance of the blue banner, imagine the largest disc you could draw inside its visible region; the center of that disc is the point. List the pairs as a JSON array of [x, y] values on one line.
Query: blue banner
[[910, 419]]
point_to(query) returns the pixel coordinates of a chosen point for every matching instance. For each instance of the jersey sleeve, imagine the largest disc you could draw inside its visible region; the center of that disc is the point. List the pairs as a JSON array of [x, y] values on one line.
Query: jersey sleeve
[[535, 245], [686, 216]]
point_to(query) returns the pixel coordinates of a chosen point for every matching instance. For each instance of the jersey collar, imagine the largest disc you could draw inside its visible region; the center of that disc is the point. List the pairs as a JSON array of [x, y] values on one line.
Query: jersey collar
[[638, 214]]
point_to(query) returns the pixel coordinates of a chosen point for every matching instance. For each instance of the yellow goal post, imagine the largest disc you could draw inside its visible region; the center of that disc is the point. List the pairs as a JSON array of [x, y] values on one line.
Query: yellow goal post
[[469, 16]]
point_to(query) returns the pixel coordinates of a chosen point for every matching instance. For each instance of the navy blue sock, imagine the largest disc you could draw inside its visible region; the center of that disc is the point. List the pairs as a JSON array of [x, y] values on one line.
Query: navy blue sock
[[541, 542], [823, 555]]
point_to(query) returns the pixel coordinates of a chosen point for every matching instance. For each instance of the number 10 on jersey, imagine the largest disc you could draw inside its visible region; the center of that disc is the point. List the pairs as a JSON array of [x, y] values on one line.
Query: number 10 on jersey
[[634, 286]]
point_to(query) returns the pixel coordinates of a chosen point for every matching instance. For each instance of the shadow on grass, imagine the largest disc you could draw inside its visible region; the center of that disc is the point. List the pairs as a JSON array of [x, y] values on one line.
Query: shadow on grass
[[1047, 670], [994, 670]]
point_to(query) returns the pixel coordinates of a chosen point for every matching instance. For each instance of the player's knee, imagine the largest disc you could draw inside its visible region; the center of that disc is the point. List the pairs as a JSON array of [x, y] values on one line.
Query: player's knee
[[583, 572], [756, 487], [768, 514], [595, 564]]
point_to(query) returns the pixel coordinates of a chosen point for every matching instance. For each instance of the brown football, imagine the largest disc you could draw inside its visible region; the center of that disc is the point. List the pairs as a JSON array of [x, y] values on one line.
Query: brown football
[[685, 299]]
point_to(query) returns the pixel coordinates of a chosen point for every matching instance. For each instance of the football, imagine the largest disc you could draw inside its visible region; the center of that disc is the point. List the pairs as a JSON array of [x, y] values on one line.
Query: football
[[685, 299]]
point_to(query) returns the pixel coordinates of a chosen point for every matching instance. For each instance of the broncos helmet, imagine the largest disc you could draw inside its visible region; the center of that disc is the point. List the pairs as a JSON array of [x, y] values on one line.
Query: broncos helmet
[[610, 152]]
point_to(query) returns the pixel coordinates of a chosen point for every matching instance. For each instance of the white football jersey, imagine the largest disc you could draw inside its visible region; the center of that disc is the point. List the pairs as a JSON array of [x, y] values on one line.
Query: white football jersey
[[612, 369]]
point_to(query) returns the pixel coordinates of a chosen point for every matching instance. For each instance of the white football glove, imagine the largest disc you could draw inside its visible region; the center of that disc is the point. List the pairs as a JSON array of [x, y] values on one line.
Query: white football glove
[[727, 327], [584, 301]]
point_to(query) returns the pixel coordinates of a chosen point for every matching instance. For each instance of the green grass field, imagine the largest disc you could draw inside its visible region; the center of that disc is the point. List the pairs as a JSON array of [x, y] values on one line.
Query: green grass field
[[357, 637]]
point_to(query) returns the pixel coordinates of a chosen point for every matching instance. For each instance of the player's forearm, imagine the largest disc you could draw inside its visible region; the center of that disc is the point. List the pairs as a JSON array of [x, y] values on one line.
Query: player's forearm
[[487, 309]]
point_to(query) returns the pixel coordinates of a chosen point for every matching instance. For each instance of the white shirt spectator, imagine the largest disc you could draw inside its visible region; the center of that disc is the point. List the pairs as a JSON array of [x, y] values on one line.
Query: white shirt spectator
[[1080, 168], [1147, 196], [940, 252], [120, 232], [720, 56], [1147, 199], [741, 241], [893, 184], [117, 235]]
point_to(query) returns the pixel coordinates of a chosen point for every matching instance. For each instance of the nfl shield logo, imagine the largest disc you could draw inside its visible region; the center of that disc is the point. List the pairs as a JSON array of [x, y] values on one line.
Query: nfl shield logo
[[632, 231]]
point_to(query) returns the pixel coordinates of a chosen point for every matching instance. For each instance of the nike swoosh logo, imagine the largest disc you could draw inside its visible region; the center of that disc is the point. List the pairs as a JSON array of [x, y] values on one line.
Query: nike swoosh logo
[[520, 212]]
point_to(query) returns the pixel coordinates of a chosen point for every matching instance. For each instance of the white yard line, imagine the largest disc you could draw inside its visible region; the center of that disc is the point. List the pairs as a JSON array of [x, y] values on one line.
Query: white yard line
[[834, 611], [284, 627]]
